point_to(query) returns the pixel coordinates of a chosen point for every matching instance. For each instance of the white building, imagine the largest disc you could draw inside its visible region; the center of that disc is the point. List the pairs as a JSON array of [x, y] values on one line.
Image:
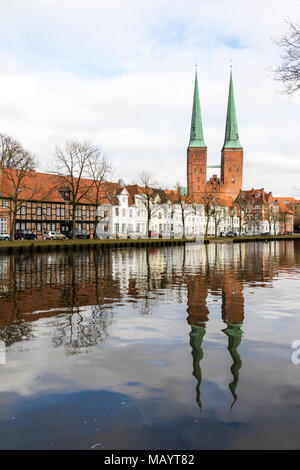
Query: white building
[[125, 213]]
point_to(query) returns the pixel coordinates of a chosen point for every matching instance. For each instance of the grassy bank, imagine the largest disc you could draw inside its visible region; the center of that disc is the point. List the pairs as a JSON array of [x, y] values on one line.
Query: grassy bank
[[20, 246], [263, 238], [254, 238]]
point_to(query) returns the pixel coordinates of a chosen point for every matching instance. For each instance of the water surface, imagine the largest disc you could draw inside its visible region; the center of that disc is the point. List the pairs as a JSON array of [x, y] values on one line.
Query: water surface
[[160, 348]]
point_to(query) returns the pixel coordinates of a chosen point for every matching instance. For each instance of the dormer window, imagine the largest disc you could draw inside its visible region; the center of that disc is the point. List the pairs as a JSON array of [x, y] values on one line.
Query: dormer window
[[64, 194]]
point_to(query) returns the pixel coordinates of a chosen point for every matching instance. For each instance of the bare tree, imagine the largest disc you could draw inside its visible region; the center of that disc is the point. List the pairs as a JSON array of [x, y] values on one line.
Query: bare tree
[[185, 209], [271, 215], [217, 214], [99, 169], [297, 223], [17, 166], [282, 217], [72, 170], [150, 197], [288, 72], [241, 211], [207, 199]]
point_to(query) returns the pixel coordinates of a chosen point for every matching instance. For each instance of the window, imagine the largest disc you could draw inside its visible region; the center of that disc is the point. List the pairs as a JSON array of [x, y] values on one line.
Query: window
[[117, 228], [116, 211], [130, 212], [53, 227], [58, 212], [4, 203], [105, 213], [48, 227], [87, 227], [3, 225], [123, 228], [22, 210], [38, 227], [87, 214], [38, 211], [48, 211], [124, 212], [78, 212]]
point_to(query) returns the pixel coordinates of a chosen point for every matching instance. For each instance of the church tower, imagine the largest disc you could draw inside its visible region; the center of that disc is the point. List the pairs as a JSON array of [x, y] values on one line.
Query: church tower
[[197, 150], [232, 152]]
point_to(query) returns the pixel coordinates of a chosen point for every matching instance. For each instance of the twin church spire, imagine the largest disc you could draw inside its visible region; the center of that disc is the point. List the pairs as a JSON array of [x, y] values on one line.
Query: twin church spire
[[231, 132], [229, 184], [196, 137]]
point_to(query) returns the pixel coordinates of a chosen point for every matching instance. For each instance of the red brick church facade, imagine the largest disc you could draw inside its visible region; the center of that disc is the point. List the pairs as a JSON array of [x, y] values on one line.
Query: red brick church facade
[[229, 184]]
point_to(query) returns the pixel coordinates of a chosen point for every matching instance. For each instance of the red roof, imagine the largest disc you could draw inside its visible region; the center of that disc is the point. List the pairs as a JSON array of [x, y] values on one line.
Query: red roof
[[37, 186]]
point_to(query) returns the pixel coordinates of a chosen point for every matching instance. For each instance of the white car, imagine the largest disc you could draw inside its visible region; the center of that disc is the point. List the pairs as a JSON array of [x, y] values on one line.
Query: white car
[[49, 235], [4, 236], [134, 235]]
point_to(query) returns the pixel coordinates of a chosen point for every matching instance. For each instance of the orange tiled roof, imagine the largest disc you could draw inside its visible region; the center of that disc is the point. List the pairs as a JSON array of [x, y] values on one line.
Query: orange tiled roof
[[286, 200], [251, 196], [284, 208], [36, 186]]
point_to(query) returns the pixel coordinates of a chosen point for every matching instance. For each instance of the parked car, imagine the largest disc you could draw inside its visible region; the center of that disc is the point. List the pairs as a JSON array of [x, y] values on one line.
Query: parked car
[[79, 234], [49, 235], [120, 235], [25, 235], [152, 234], [103, 235], [4, 236], [134, 235], [60, 236], [231, 234]]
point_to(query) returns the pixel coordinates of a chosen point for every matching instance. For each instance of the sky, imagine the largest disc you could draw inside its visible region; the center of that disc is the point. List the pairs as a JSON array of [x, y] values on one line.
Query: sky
[[120, 74]]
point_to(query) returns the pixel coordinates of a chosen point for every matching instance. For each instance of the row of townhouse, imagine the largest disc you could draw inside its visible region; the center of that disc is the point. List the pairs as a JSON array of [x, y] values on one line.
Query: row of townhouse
[[126, 213], [43, 205], [260, 212]]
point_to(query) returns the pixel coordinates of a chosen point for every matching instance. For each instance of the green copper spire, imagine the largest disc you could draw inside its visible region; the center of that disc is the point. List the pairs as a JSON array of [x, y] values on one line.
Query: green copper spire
[[196, 138], [231, 132]]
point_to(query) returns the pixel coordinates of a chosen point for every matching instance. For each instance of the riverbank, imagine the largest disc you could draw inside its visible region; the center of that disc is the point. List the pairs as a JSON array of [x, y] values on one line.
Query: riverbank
[[248, 239], [24, 246]]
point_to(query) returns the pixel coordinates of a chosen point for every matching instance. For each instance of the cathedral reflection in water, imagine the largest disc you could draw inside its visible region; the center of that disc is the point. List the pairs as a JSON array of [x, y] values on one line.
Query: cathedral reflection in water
[[80, 291]]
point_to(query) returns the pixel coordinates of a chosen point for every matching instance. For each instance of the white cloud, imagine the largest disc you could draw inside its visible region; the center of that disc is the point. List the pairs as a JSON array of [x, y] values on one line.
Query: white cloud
[[121, 74]]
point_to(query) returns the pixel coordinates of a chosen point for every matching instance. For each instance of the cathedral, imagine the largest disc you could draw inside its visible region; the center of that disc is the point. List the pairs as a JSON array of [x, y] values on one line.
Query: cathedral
[[228, 186]]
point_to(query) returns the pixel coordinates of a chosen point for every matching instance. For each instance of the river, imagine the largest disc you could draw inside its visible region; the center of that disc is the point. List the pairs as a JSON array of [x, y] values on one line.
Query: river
[[187, 347]]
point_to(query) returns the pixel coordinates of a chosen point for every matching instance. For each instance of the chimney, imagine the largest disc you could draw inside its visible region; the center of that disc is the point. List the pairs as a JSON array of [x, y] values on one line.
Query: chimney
[[121, 182]]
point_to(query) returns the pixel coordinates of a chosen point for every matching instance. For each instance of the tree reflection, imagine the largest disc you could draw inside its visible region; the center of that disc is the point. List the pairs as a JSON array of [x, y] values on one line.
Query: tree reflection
[[15, 333]]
